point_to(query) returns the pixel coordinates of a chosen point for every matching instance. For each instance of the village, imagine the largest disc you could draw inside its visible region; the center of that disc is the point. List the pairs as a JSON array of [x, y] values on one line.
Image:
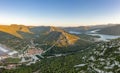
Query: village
[[27, 55], [30, 54]]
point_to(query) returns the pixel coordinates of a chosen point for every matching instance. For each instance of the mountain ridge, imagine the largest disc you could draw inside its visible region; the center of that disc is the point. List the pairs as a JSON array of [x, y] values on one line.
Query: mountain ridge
[[65, 39], [15, 29], [51, 33]]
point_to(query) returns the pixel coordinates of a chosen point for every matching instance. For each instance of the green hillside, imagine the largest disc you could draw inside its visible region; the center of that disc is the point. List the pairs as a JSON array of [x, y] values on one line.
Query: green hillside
[[102, 57]]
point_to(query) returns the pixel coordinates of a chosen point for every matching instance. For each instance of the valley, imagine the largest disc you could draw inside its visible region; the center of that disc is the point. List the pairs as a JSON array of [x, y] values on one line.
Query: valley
[[56, 50], [59, 36]]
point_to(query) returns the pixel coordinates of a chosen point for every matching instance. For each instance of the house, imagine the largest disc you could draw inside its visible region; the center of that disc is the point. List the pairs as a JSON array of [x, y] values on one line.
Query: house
[[11, 66], [3, 56], [33, 51]]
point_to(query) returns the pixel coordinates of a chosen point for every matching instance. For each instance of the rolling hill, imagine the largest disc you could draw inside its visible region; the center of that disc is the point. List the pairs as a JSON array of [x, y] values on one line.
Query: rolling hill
[[15, 29], [71, 53], [63, 38], [41, 34]]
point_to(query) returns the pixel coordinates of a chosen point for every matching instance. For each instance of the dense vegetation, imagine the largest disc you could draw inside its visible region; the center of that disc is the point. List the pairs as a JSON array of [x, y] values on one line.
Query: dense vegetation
[[97, 57], [100, 57]]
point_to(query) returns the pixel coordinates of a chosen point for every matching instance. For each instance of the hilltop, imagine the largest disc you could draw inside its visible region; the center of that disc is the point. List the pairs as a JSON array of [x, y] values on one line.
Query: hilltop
[[41, 34], [15, 29], [52, 35], [65, 39]]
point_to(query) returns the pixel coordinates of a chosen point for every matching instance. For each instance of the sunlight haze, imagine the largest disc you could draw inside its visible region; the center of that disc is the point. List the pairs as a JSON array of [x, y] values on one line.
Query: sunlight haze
[[59, 12]]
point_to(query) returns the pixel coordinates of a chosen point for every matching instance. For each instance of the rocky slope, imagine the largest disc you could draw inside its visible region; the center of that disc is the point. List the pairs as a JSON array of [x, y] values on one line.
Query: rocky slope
[[48, 35], [64, 38]]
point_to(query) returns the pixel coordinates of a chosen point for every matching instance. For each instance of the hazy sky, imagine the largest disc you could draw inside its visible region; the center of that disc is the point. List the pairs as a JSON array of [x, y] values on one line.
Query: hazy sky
[[59, 12]]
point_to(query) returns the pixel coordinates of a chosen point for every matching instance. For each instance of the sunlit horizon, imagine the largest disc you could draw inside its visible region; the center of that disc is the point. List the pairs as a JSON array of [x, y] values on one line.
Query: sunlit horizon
[[66, 13]]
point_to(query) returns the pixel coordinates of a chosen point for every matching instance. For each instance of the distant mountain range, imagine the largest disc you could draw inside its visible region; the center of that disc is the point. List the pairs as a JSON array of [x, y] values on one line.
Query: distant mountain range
[[83, 29], [111, 30], [49, 35]]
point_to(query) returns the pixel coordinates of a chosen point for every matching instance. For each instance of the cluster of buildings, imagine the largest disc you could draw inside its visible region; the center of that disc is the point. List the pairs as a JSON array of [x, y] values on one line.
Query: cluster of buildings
[[33, 51], [29, 53]]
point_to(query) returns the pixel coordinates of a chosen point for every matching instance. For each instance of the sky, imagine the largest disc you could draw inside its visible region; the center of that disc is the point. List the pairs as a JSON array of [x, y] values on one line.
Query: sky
[[59, 12]]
